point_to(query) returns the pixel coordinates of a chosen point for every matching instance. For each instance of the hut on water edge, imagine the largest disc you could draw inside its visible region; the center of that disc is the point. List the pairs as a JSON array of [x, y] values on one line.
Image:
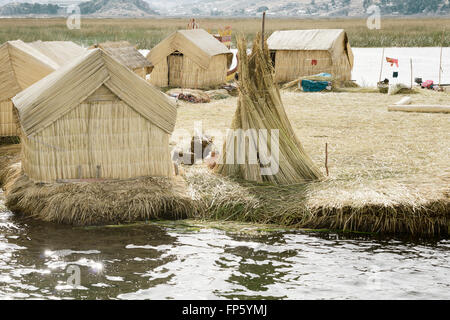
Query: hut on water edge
[[189, 59], [94, 119], [298, 53], [21, 65], [128, 55]]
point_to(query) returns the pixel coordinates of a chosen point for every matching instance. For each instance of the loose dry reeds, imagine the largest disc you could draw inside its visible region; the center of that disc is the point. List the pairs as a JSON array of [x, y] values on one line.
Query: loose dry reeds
[[92, 203], [260, 108], [352, 207]]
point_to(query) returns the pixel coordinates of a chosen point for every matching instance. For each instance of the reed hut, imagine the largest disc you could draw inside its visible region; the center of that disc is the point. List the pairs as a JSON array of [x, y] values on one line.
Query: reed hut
[[298, 53], [94, 119], [21, 65], [189, 59], [128, 55]]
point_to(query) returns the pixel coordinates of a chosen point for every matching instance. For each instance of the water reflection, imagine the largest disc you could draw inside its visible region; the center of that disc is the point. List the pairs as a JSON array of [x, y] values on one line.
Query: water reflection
[[152, 262]]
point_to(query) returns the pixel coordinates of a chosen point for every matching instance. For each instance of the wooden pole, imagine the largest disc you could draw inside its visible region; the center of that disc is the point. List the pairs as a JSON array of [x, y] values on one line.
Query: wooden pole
[[440, 58], [326, 157], [263, 26], [381, 66], [410, 62]]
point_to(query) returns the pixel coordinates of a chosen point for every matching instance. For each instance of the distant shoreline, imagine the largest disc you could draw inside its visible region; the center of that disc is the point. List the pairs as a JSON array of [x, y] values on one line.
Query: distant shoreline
[[145, 33]]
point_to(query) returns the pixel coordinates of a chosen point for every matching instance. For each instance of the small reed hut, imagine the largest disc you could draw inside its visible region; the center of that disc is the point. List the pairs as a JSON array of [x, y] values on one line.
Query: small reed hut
[[21, 65], [298, 53], [94, 119], [128, 55], [189, 59]]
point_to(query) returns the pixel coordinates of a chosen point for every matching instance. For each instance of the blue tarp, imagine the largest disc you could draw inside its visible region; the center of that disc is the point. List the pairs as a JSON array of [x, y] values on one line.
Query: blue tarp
[[314, 86]]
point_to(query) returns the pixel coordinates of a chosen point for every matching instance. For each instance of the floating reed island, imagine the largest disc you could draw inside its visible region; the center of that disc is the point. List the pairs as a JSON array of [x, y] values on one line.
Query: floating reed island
[[388, 172], [89, 132]]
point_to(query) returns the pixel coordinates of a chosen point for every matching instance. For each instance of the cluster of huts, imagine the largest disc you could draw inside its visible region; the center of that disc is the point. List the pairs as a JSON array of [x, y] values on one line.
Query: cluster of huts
[[97, 112]]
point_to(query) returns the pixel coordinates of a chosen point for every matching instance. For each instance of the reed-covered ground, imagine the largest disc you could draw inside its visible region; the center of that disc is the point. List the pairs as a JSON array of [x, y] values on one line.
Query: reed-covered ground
[[146, 33], [388, 171]]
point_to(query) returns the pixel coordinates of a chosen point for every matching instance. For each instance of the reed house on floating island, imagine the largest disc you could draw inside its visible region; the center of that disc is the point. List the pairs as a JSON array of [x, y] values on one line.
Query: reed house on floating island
[[94, 119], [298, 53], [21, 65], [128, 55], [189, 59]]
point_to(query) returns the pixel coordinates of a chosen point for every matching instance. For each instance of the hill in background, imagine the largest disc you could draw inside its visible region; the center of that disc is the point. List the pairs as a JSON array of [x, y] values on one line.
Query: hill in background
[[228, 8], [97, 8]]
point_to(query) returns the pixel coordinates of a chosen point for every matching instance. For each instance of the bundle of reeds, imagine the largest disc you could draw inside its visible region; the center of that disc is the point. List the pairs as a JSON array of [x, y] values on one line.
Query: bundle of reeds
[[260, 107]]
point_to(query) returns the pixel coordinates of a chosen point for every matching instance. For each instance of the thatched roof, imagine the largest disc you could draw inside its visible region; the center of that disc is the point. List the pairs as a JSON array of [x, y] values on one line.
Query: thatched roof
[[197, 44], [20, 66], [333, 40], [50, 98], [61, 52], [125, 53]]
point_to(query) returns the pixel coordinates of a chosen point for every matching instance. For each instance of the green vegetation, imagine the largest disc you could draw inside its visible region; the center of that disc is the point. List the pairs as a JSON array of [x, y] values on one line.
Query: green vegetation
[[146, 33]]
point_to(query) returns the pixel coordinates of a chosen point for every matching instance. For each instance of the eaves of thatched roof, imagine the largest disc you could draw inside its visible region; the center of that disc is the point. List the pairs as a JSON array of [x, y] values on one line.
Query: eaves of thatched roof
[[47, 100]]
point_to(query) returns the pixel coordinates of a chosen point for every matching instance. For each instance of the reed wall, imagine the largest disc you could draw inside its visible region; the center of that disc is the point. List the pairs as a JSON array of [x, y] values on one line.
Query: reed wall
[[8, 122], [290, 65]]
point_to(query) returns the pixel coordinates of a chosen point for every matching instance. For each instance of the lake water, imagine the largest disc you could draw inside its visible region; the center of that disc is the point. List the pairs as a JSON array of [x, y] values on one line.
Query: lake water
[[43, 261], [367, 62]]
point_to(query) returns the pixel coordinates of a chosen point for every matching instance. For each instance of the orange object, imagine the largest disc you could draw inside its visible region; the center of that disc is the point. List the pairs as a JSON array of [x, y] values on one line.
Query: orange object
[[392, 61]]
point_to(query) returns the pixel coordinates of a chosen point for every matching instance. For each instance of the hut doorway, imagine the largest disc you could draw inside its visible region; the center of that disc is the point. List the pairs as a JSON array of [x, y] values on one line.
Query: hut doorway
[[175, 64], [272, 57]]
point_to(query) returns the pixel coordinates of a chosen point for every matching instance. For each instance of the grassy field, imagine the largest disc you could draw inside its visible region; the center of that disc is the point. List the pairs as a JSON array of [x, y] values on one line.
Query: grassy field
[[146, 33]]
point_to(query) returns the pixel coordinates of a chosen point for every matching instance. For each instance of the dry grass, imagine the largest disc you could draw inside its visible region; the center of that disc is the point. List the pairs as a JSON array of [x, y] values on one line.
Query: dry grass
[[146, 33], [388, 170], [90, 203]]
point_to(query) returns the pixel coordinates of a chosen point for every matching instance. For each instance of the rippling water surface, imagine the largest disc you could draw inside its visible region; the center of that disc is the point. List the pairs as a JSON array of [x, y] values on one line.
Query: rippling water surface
[[154, 262]]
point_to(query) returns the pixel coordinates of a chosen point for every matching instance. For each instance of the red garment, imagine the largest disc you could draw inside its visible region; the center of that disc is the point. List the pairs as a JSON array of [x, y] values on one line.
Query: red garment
[[314, 62], [427, 84], [392, 61]]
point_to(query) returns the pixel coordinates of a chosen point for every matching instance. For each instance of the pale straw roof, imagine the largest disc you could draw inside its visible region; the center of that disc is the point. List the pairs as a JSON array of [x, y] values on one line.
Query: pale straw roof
[[50, 98], [315, 39], [61, 52], [334, 41], [20, 66]]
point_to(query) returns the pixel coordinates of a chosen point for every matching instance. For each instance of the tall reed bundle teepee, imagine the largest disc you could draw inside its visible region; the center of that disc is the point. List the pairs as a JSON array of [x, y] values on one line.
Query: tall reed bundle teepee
[[260, 107]]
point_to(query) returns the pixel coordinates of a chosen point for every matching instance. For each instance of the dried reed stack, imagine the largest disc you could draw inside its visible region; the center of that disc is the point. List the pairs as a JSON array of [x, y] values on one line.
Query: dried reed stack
[[260, 107]]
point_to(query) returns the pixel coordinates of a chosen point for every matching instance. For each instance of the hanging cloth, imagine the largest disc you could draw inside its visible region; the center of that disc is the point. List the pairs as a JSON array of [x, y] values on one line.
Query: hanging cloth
[[392, 61]]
